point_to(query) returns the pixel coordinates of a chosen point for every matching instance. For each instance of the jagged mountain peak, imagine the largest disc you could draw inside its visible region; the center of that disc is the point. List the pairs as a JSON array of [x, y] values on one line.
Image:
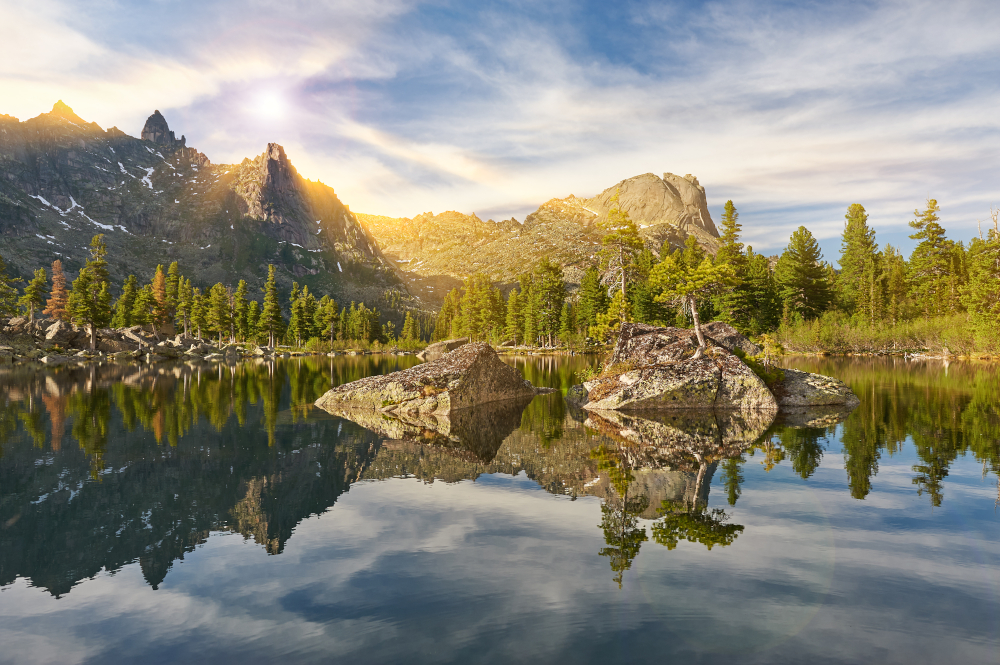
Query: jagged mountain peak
[[61, 110], [157, 131]]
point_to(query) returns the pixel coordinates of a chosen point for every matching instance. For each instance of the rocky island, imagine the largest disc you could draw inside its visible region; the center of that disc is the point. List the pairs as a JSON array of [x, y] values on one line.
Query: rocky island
[[653, 368]]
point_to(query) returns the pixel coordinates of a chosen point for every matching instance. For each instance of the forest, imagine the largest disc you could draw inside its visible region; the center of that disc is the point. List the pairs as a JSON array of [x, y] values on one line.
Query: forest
[[944, 296]]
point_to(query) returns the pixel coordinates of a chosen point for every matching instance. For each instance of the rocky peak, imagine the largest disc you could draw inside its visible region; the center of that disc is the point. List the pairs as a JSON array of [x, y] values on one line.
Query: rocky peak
[[675, 201], [61, 110], [157, 131]]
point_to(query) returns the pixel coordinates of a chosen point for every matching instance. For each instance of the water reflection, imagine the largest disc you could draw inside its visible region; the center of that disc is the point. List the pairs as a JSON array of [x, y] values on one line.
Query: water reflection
[[109, 464]]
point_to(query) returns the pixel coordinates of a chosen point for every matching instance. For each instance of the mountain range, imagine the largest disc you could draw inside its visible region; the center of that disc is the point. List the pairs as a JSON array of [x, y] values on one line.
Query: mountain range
[[156, 200]]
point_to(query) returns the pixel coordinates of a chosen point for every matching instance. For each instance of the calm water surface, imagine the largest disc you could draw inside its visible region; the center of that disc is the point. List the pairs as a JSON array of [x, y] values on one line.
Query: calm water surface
[[175, 514]]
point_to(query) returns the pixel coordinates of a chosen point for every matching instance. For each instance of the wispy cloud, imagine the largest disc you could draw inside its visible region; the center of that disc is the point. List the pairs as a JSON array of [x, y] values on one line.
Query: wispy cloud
[[794, 111]]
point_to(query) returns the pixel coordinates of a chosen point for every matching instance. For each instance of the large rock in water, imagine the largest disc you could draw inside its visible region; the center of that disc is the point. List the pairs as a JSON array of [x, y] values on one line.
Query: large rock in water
[[471, 375], [653, 368], [438, 349], [803, 389]]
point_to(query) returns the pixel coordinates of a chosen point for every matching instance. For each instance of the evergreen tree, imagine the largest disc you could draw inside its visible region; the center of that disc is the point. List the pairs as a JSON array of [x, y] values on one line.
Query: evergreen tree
[[199, 310], [685, 286], [982, 297], [859, 263], [126, 302], [593, 299], [410, 331], [185, 301], [173, 289], [253, 321], [733, 305], [8, 292], [162, 311], [271, 318], [762, 294], [327, 318], [90, 301], [34, 293], [802, 277], [550, 293], [929, 261], [142, 307], [514, 329], [566, 324], [241, 307], [56, 305], [219, 311], [449, 310], [896, 283], [621, 243]]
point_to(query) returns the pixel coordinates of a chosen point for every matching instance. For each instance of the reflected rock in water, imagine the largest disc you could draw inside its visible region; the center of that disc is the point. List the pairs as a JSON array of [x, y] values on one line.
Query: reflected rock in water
[[814, 416], [668, 439], [479, 430]]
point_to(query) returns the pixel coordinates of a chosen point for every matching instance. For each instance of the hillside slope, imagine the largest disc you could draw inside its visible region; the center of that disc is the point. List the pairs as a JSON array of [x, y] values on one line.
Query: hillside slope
[[436, 252], [63, 179]]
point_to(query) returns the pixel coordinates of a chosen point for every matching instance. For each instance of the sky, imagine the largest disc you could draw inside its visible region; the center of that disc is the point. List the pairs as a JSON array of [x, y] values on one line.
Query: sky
[[794, 110]]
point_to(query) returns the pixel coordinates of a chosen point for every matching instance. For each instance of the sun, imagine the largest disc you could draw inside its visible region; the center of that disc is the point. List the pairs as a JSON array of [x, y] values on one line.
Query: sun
[[270, 104]]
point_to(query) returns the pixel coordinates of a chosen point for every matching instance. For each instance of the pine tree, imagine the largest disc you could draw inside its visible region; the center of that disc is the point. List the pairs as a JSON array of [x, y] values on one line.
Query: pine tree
[[802, 277], [126, 302], [219, 314], [271, 318], [566, 323], [34, 293], [859, 263], [514, 329], [161, 311], [326, 318], [982, 296], [733, 305], [240, 308], [253, 321], [173, 289], [550, 293], [896, 283], [593, 299], [142, 307], [762, 294], [409, 333], [621, 243], [199, 310], [56, 305], [449, 310], [685, 286], [929, 261], [8, 292], [185, 300], [90, 301]]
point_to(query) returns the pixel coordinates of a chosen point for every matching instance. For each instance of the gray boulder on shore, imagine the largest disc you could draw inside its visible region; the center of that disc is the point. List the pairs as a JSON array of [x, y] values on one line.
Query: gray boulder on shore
[[471, 375]]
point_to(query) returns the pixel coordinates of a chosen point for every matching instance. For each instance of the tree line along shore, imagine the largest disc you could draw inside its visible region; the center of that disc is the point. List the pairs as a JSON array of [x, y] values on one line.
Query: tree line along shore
[[944, 298]]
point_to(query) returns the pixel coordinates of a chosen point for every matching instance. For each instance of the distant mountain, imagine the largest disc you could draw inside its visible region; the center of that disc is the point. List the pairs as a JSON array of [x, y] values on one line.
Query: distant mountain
[[63, 179], [436, 252]]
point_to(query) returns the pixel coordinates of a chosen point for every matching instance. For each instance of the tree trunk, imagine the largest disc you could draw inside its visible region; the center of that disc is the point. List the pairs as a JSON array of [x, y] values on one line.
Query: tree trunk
[[697, 328], [93, 337]]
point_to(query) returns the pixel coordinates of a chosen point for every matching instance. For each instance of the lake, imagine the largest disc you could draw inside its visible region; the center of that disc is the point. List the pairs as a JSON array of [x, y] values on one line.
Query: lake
[[171, 513]]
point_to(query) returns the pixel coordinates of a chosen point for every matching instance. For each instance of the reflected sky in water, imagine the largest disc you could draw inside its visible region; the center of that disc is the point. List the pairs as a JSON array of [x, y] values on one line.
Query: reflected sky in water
[[185, 514]]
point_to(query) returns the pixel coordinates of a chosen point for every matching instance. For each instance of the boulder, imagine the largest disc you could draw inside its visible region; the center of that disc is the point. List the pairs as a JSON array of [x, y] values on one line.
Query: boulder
[[60, 333], [653, 368], [438, 349], [729, 337], [802, 389], [17, 325], [471, 375]]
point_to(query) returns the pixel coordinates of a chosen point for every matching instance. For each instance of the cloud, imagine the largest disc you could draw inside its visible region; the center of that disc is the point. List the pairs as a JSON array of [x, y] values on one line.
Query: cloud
[[792, 110]]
